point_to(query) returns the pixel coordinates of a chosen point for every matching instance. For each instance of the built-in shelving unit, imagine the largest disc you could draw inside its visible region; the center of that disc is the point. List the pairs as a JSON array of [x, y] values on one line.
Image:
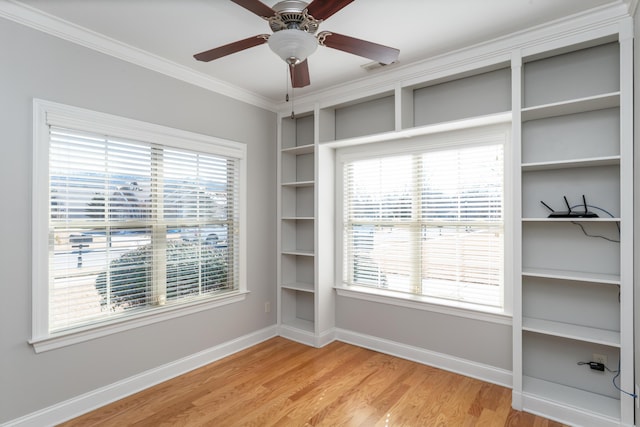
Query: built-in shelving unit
[[568, 96], [305, 291], [574, 272], [296, 266]]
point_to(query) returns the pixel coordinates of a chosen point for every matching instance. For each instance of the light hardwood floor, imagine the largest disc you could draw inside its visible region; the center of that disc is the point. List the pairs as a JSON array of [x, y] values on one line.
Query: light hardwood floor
[[283, 383]]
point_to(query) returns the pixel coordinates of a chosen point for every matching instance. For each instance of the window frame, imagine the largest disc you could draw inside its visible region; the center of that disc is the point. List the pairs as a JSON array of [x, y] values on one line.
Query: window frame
[[47, 113], [498, 133]]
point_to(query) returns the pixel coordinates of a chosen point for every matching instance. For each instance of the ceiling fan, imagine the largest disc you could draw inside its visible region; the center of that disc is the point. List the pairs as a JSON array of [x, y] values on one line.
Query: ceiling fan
[[294, 24]]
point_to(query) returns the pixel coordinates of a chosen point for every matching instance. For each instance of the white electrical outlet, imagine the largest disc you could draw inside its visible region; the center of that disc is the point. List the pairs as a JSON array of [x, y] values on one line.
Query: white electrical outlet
[[599, 358], [267, 307]]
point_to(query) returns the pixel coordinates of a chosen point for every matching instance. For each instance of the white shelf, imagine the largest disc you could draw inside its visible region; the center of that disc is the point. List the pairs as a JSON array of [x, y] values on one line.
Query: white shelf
[[573, 397], [422, 130], [297, 252], [570, 219], [298, 184], [301, 149], [581, 105], [574, 332], [297, 218], [571, 163], [580, 276], [299, 286]]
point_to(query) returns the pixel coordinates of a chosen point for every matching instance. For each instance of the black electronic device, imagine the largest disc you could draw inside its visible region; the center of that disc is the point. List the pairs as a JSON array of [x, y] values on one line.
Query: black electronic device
[[570, 213]]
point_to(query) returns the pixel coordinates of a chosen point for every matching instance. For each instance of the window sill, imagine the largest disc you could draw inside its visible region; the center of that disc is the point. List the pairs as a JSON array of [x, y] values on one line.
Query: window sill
[[452, 308], [90, 332]]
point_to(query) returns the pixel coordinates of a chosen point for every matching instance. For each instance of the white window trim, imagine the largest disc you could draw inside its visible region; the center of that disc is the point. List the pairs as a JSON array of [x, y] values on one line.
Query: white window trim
[[132, 321], [420, 302], [46, 113], [471, 135]]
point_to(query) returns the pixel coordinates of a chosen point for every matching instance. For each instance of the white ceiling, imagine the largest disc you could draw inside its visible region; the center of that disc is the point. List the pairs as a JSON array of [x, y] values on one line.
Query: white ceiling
[[177, 29]]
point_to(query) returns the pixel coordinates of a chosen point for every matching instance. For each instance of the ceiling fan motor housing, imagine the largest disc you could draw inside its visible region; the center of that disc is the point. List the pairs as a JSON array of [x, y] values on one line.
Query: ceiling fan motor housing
[[292, 15]]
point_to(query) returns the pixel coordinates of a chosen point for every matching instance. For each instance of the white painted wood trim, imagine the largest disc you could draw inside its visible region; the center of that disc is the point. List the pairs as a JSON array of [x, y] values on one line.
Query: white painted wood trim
[[46, 113], [297, 335], [579, 28], [57, 27], [91, 332], [438, 128], [84, 403], [627, 383], [566, 414], [418, 302], [516, 227], [540, 38], [325, 337], [447, 362]]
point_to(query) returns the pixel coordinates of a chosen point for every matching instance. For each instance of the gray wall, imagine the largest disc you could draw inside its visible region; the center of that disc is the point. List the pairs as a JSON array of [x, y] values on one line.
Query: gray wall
[[473, 340], [33, 64]]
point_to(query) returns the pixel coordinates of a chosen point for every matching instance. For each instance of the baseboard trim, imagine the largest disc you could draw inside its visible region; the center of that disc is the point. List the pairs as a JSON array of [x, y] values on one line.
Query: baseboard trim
[[84, 403], [565, 414], [461, 366], [326, 337], [297, 335]]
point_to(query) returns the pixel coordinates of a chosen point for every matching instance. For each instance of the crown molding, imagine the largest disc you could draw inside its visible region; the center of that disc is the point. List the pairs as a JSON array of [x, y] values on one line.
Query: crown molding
[[52, 25], [472, 57], [595, 23]]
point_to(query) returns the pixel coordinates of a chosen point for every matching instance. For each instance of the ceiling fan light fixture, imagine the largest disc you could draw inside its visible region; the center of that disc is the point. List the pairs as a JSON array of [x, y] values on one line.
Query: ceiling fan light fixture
[[293, 46]]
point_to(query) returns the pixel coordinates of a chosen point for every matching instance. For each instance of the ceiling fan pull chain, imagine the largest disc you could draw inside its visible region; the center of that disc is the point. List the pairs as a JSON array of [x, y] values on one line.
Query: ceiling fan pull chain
[[293, 90], [293, 116], [286, 87]]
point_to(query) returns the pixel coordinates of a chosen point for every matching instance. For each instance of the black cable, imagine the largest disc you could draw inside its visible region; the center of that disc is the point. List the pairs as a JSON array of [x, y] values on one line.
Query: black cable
[[600, 209], [617, 374], [593, 235]]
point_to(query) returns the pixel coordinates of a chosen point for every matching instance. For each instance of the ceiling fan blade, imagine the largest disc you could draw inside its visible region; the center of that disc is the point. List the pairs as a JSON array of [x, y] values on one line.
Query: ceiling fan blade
[[228, 49], [300, 74], [322, 9], [377, 52], [256, 7]]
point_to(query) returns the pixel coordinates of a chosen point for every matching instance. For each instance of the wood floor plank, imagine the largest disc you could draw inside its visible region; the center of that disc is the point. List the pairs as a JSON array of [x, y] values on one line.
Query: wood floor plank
[[289, 383], [339, 384], [282, 383], [441, 387], [231, 399], [372, 400], [408, 411]]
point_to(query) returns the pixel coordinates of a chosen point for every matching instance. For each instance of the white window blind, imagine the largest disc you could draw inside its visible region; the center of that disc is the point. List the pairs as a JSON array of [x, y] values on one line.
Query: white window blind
[[135, 226], [427, 223]]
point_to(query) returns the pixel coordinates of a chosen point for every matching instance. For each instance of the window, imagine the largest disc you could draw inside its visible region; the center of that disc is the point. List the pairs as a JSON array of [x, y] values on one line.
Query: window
[[426, 219], [131, 219]]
